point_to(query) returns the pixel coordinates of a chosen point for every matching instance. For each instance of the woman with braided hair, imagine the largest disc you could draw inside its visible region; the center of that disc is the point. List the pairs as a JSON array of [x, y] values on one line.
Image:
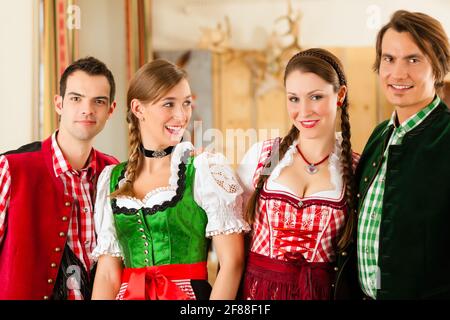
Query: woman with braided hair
[[300, 187], [156, 212]]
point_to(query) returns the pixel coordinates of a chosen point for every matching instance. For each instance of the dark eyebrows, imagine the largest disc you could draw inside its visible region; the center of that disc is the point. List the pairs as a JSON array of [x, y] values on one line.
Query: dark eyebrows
[[314, 91], [311, 92], [414, 55], [410, 56], [173, 98], [75, 94], [101, 98]]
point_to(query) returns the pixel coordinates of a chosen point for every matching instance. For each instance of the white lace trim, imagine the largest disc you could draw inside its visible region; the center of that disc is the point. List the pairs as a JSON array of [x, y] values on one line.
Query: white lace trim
[[98, 254], [334, 164], [285, 162], [107, 245], [214, 168], [241, 229], [215, 189], [225, 218], [173, 179], [150, 194], [177, 155]]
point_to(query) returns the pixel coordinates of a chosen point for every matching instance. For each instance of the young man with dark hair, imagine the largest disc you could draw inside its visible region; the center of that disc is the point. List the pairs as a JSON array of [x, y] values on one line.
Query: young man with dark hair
[[403, 231], [47, 191]]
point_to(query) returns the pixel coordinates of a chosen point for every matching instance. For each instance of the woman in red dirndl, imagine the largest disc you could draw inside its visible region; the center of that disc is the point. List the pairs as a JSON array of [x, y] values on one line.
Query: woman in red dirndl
[[300, 188]]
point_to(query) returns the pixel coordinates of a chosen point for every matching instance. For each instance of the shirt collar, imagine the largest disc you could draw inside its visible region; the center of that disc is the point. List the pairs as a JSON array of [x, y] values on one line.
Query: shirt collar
[[414, 120], [62, 166]]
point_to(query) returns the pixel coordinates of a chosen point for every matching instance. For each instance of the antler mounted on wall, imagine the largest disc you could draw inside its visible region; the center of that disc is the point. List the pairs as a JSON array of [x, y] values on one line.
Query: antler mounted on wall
[[216, 39], [267, 69]]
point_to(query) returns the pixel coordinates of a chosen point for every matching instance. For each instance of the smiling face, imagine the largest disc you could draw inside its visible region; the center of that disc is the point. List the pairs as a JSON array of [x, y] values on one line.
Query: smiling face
[[85, 107], [165, 120], [405, 73], [312, 104]]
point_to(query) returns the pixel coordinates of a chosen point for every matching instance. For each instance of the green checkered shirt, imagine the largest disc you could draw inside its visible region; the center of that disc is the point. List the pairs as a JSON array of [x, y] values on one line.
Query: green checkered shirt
[[371, 210]]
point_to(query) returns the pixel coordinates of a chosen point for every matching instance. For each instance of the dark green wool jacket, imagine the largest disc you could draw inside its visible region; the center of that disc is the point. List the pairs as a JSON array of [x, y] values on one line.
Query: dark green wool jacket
[[414, 249]]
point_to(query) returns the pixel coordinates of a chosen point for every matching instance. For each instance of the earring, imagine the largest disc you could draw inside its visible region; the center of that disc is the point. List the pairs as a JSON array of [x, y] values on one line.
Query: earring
[[339, 104]]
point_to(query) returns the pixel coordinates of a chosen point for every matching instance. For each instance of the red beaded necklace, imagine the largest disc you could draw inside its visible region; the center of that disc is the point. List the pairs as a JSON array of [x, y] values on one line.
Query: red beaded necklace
[[311, 168]]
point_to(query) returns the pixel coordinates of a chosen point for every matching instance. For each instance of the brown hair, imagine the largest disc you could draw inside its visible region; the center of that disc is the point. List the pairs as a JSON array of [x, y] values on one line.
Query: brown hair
[[329, 68], [428, 35], [150, 83], [92, 67]]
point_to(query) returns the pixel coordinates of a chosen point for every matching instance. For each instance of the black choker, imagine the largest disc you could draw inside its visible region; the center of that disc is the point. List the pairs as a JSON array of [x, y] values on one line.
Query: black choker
[[157, 153]]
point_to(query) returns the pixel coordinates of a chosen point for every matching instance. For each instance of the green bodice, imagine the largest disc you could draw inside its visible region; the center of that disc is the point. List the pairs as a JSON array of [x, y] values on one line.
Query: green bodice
[[170, 233]]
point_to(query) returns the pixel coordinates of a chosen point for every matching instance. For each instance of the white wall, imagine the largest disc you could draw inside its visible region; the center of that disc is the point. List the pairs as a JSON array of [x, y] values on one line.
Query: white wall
[[16, 73], [102, 35], [328, 23]]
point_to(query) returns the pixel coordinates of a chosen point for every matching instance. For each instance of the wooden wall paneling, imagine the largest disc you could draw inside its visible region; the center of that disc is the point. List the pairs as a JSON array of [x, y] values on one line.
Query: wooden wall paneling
[[362, 88], [237, 106], [272, 114], [234, 105]]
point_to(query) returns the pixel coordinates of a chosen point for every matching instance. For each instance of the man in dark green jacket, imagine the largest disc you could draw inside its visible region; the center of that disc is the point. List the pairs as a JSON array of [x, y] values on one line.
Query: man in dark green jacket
[[403, 229]]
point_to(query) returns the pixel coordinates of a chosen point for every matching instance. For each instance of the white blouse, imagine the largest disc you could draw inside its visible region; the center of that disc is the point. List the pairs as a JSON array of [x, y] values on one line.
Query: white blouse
[[216, 190], [249, 162]]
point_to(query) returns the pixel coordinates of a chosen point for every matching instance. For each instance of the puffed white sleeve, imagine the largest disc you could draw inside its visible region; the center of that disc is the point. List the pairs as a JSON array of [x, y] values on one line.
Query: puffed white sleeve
[[107, 242], [219, 193]]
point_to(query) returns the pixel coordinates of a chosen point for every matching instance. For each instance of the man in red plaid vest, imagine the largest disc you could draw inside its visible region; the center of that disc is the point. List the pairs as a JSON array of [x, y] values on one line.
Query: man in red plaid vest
[[47, 192]]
